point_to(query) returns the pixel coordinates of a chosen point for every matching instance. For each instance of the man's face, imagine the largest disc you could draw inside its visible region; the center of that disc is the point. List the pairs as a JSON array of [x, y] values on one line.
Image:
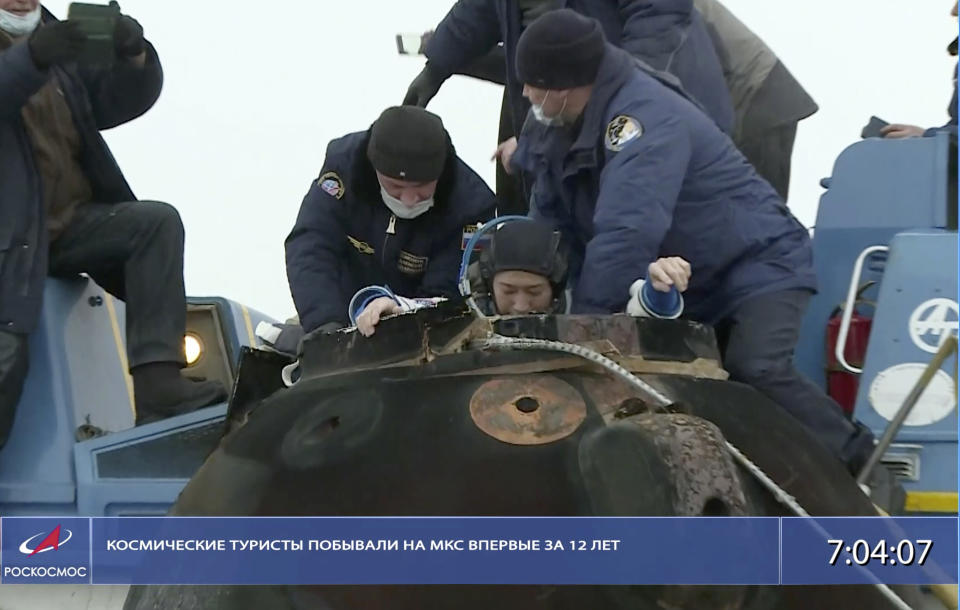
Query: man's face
[[19, 7], [410, 193], [521, 292]]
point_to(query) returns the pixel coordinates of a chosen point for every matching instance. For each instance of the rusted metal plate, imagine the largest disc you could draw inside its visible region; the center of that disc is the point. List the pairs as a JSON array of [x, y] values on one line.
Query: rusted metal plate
[[406, 339], [618, 331], [608, 394], [701, 367], [614, 399], [653, 340], [529, 410]]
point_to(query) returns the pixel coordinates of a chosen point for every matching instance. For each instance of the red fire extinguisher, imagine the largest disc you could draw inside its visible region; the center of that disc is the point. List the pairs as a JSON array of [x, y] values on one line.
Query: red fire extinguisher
[[842, 385]]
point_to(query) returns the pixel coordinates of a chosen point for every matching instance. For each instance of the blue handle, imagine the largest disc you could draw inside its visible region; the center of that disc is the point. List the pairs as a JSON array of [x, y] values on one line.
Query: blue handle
[[661, 304]]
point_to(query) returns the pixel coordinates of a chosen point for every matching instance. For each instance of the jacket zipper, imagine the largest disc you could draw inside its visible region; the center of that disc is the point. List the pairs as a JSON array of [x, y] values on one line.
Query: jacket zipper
[[391, 230]]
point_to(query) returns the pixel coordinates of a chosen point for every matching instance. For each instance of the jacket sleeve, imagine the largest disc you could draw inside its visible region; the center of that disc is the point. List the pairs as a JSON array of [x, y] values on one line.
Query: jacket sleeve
[[124, 91], [314, 249], [652, 29], [19, 79], [671, 36], [639, 186], [951, 126], [468, 32], [491, 67]]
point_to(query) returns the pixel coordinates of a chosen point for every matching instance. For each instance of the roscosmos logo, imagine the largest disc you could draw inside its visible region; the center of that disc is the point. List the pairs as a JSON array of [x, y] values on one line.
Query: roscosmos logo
[[51, 542]]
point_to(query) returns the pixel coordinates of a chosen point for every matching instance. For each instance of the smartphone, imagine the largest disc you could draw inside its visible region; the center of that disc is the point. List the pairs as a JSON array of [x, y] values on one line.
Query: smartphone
[[872, 130], [97, 21]]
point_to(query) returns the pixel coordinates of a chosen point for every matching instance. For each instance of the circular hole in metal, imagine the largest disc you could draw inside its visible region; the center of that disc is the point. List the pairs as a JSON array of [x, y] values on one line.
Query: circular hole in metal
[[715, 507], [322, 430], [527, 404]]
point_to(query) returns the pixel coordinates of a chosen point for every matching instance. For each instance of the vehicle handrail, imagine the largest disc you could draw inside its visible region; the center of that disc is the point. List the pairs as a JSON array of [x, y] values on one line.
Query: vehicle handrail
[[850, 305]]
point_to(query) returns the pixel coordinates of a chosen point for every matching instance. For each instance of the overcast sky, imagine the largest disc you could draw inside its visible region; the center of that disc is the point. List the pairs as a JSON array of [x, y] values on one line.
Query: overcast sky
[[255, 90]]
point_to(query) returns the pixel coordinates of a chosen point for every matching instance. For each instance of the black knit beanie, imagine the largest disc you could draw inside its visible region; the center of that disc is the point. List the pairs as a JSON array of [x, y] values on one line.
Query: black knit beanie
[[408, 143], [560, 50]]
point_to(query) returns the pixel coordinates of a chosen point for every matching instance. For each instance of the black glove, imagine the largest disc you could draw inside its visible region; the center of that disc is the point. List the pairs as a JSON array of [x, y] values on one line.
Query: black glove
[[128, 37], [424, 87], [424, 40], [56, 42]]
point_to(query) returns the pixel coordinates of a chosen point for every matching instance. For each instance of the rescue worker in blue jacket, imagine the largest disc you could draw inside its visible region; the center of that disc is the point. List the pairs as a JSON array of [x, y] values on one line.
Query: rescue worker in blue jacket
[[669, 35], [631, 171], [390, 208], [66, 209]]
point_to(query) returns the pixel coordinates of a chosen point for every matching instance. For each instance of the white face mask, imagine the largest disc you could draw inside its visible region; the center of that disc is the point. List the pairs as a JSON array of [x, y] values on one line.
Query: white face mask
[[549, 121], [19, 25], [402, 210]]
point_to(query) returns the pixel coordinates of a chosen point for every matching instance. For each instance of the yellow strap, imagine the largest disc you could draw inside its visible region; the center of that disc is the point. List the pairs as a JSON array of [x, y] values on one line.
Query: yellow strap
[[121, 350]]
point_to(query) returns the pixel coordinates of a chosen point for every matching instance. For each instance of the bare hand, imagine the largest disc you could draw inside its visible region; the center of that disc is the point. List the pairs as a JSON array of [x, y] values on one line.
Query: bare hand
[[504, 153], [373, 312], [898, 131], [670, 271]]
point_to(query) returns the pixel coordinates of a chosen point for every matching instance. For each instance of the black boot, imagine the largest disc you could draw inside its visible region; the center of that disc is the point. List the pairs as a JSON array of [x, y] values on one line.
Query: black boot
[[161, 392]]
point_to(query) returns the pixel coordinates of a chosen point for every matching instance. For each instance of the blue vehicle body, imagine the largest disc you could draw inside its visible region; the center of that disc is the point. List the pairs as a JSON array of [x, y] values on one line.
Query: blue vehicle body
[[78, 388], [894, 194]]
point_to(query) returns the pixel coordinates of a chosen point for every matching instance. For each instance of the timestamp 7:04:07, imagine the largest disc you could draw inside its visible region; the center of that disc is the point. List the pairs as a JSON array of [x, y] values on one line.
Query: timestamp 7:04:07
[[900, 552]]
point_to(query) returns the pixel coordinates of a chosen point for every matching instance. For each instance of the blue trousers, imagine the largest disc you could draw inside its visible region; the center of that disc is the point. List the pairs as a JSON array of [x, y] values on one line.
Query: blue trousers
[[757, 342]]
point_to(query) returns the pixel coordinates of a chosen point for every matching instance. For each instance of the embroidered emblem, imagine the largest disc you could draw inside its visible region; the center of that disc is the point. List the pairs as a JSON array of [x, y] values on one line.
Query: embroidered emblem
[[411, 264], [621, 130], [361, 246], [469, 231], [331, 184]]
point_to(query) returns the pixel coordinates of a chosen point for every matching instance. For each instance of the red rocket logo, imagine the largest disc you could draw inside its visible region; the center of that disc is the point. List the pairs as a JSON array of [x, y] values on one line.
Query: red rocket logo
[[51, 542]]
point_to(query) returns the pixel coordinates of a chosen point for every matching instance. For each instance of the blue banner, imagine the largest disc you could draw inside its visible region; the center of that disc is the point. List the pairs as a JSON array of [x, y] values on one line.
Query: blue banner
[[478, 550], [439, 551]]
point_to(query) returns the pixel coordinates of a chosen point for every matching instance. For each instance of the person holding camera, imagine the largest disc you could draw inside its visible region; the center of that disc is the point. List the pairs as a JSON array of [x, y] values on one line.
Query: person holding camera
[[67, 208]]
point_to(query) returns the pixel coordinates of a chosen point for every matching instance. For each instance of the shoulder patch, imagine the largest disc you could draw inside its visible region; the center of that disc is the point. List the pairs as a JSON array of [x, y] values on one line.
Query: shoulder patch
[[621, 130], [331, 184]]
